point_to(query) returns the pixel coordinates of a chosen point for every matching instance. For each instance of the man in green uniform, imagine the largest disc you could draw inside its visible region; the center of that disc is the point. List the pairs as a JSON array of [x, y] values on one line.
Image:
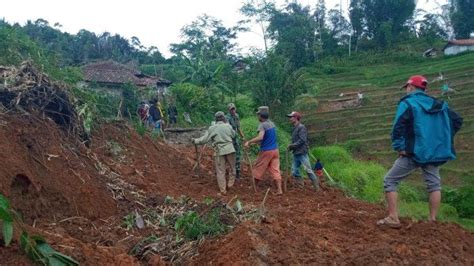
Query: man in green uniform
[[234, 120]]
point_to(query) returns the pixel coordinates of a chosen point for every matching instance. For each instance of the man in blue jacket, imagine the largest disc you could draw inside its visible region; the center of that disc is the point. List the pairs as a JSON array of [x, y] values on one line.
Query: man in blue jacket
[[423, 135]]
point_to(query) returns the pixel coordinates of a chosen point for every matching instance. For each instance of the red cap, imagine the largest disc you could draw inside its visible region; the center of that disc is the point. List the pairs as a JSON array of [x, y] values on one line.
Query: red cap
[[294, 114], [417, 81]]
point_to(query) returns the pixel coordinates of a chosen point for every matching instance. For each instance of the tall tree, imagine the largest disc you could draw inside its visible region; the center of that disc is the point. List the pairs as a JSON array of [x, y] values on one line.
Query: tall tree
[[462, 17], [356, 16], [382, 20], [259, 12], [320, 18], [268, 80], [293, 29], [207, 52], [339, 27], [431, 29]]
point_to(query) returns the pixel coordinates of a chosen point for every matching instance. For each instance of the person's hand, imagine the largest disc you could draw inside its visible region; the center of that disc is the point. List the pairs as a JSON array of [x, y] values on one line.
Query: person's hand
[[290, 147], [247, 144], [402, 153]]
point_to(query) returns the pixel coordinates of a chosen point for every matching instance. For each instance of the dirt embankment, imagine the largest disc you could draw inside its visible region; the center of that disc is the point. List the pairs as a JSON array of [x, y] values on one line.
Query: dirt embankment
[[81, 198], [77, 197]]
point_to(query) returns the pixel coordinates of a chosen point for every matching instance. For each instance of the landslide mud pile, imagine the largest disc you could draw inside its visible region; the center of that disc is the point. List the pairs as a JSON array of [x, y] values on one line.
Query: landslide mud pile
[[116, 201]]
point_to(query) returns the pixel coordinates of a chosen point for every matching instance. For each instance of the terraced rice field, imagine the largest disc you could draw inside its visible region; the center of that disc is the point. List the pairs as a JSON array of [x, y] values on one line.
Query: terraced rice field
[[368, 126]]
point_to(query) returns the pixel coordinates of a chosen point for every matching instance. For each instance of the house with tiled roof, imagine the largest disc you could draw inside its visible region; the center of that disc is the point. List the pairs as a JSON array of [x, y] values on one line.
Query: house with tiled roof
[[113, 74], [458, 46]]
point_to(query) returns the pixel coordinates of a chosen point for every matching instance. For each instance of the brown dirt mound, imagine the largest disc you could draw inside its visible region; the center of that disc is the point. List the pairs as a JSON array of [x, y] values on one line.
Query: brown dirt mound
[[76, 197], [328, 228]]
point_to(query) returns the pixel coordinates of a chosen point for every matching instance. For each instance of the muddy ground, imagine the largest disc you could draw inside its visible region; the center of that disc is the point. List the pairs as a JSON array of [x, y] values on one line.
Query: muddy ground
[[77, 196]]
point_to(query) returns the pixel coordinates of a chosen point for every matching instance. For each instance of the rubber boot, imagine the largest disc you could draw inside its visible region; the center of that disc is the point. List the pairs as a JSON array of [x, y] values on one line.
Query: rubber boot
[[315, 184], [299, 182], [237, 174]]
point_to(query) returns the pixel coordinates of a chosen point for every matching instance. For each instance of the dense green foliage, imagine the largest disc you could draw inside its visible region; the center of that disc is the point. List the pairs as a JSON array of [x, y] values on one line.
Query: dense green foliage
[[360, 179], [462, 199], [384, 21], [462, 18]]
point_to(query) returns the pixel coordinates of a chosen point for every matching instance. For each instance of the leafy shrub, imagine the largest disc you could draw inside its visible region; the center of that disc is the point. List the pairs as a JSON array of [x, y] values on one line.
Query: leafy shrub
[[332, 154], [192, 226], [199, 102], [245, 106], [93, 106], [462, 199], [353, 146]]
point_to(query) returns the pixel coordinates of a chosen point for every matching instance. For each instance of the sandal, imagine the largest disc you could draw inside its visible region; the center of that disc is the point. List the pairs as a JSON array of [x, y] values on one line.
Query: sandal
[[388, 222]]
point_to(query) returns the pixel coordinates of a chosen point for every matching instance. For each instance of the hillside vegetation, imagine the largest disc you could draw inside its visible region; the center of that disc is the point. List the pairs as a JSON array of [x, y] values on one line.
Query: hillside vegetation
[[367, 127]]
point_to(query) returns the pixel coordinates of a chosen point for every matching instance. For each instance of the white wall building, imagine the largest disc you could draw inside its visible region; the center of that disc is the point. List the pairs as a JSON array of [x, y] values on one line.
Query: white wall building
[[458, 46]]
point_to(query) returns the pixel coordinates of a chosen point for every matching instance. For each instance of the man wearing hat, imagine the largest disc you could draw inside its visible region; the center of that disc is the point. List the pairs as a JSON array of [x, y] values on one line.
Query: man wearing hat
[[220, 135], [423, 135], [234, 120], [300, 147], [269, 156]]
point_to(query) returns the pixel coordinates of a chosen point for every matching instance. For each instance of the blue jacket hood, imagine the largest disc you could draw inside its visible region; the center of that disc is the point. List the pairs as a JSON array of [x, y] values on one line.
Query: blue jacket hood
[[427, 103]]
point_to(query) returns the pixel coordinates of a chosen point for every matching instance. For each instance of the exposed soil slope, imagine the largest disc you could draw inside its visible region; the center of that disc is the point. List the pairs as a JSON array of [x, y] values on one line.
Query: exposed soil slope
[[77, 197]]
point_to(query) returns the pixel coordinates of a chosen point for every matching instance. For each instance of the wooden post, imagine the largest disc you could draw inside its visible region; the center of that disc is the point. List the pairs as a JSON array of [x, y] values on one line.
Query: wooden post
[[251, 169], [285, 184]]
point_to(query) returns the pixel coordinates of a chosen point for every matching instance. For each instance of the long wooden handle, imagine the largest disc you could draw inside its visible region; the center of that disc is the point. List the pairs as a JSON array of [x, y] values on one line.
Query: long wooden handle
[[251, 170], [285, 184]]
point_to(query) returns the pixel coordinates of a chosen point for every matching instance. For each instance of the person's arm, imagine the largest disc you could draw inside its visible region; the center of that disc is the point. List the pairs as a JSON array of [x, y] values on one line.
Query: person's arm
[[257, 139], [202, 140], [233, 134], [456, 121], [402, 119], [241, 134]]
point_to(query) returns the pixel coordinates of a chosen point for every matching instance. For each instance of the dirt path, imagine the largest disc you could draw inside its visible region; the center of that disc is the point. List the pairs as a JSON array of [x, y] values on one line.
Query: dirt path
[[78, 199]]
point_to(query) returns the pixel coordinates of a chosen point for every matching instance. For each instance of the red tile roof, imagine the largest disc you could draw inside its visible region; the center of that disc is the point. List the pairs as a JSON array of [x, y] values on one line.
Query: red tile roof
[[467, 42], [114, 73]]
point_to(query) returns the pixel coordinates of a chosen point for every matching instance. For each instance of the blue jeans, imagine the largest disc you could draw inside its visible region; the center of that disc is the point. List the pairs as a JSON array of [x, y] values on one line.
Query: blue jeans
[[302, 160]]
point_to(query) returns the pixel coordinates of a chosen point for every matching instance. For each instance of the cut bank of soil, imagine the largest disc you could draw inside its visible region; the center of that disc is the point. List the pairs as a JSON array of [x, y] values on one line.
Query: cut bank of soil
[[76, 198]]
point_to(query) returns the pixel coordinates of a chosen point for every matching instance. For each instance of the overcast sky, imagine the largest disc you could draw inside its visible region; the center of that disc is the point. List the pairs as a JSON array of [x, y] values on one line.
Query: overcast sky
[[154, 22]]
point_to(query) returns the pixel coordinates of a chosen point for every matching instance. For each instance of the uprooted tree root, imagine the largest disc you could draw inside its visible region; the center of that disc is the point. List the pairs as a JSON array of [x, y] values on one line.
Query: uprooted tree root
[[28, 90]]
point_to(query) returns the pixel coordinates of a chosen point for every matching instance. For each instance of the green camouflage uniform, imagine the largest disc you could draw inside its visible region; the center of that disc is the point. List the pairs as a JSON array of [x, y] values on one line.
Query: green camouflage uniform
[[234, 121]]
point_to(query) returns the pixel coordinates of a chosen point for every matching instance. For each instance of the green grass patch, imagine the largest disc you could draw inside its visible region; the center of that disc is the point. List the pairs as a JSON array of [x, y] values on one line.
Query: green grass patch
[[363, 180], [420, 211], [193, 226], [462, 199]]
